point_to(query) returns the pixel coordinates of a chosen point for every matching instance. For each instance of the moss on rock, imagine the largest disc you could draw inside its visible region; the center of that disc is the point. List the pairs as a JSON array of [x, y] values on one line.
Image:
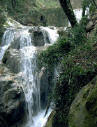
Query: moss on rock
[[83, 111]]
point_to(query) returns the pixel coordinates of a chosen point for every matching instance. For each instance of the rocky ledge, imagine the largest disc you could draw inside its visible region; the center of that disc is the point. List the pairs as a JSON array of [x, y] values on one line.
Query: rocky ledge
[[12, 99]]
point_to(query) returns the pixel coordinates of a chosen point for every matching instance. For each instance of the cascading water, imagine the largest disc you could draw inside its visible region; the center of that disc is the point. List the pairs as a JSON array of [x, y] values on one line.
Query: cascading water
[[28, 64], [78, 14], [28, 67], [29, 78], [8, 37]]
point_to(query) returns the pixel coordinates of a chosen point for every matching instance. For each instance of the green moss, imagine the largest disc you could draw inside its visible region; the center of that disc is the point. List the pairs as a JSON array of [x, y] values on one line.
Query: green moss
[[75, 54], [83, 115], [30, 12], [67, 43], [54, 54], [78, 68], [91, 104]]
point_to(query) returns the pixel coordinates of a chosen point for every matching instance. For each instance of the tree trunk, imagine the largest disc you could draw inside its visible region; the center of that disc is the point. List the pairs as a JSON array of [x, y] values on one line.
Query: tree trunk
[[94, 2], [66, 5], [13, 3]]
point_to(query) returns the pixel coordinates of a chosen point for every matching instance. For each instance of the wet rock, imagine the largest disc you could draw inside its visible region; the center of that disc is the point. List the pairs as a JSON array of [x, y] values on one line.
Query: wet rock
[[39, 36], [16, 43], [12, 60], [92, 23], [12, 105], [44, 86], [38, 39], [3, 122], [90, 26], [12, 99]]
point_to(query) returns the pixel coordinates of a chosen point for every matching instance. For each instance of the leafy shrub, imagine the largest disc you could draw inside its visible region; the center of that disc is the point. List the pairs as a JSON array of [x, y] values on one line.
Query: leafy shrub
[[54, 54], [88, 4], [74, 53], [77, 70]]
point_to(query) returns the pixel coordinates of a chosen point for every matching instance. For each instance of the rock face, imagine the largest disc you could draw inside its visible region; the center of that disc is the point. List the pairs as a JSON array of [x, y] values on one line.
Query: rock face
[[12, 56], [83, 111], [92, 24], [12, 60], [39, 36], [44, 87], [12, 99]]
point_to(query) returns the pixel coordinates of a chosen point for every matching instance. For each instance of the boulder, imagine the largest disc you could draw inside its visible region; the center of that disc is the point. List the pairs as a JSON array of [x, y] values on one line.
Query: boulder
[[92, 24], [38, 39], [44, 86], [16, 43], [39, 36], [12, 60], [83, 111], [12, 99]]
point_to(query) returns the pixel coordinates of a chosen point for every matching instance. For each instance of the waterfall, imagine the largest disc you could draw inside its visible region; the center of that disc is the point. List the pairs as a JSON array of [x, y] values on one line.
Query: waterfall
[[23, 40], [29, 77], [78, 14], [8, 37]]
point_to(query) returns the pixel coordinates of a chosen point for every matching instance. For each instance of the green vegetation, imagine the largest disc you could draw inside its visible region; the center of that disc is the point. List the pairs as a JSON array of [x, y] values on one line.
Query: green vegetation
[[66, 43], [77, 70], [2, 20], [48, 3], [30, 12], [88, 4], [84, 107], [50, 57], [74, 53]]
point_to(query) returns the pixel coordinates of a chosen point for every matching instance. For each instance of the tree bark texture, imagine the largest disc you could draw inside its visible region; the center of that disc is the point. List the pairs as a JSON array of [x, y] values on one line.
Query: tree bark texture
[[67, 8]]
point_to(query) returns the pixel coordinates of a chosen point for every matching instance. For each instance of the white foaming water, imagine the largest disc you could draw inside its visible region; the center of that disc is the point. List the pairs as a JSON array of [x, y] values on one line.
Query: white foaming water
[[30, 81], [12, 24], [40, 120], [78, 14], [52, 34], [8, 37], [28, 68]]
